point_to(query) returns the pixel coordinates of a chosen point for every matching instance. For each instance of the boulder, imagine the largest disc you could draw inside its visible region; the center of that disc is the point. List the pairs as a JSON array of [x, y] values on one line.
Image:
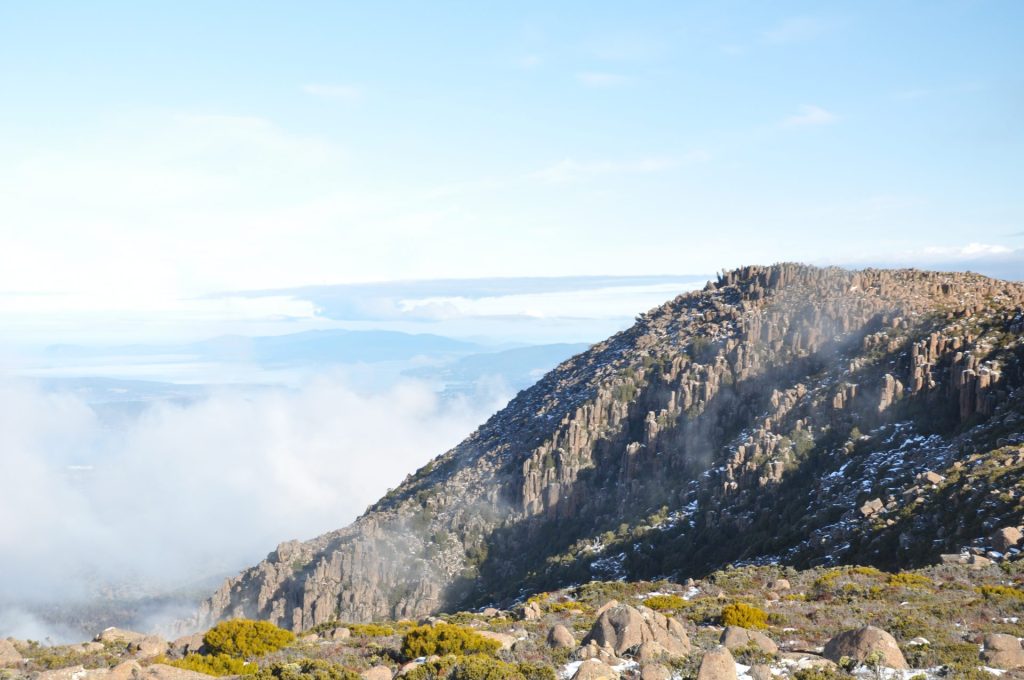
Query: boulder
[[490, 612], [339, 633], [188, 644], [781, 584], [148, 647], [531, 611], [623, 627], [69, 673], [735, 637], [862, 642], [1006, 538], [9, 654], [592, 669], [505, 639], [760, 672], [119, 635], [1002, 651], [377, 673], [126, 670], [717, 664], [802, 660], [561, 637], [605, 607], [604, 653], [650, 651], [159, 671], [655, 671]]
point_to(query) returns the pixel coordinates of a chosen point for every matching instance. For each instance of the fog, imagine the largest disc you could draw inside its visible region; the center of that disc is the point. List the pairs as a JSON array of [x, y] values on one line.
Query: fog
[[186, 492]]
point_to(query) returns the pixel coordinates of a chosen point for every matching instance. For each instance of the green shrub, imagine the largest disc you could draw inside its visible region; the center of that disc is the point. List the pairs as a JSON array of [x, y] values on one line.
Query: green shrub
[[245, 638], [370, 630], [212, 664], [819, 674], [444, 638], [662, 603], [908, 579], [998, 592], [744, 615], [480, 667], [306, 669]]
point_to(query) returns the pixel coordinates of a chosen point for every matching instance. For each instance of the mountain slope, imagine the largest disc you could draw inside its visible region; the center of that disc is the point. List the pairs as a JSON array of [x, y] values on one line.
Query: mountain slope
[[782, 414]]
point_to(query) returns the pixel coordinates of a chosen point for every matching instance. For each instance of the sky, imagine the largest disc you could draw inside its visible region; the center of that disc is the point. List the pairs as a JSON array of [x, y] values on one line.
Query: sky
[[157, 156]]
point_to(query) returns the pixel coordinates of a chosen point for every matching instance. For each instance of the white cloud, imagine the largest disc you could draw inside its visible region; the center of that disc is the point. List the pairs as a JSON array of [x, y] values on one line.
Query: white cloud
[[969, 251], [571, 170], [810, 115], [598, 79], [796, 29], [349, 92], [188, 491]]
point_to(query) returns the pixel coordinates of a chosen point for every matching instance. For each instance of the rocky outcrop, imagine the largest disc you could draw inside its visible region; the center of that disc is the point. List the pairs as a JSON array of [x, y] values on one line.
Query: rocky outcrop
[[867, 643], [625, 628], [789, 405]]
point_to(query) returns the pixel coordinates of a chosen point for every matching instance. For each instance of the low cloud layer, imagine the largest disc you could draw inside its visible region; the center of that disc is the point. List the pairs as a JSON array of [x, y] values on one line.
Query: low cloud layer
[[185, 492]]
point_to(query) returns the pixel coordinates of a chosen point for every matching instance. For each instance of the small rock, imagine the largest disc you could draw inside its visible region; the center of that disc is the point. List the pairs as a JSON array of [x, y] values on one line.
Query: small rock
[[1002, 651], [592, 669], [9, 654], [760, 672], [377, 673], [531, 611], [561, 637], [781, 584], [717, 664], [490, 612], [655, 671], [735, 637], [862, 642]]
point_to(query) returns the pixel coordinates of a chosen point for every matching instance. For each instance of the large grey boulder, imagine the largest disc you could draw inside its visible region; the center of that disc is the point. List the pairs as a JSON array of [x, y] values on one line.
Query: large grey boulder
[[717, 664], [1002, 651], [861, 643], [735, 637], [623, 627]]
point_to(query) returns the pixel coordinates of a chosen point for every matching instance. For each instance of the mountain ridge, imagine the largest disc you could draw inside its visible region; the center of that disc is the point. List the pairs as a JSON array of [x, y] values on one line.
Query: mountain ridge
[[714, 430]]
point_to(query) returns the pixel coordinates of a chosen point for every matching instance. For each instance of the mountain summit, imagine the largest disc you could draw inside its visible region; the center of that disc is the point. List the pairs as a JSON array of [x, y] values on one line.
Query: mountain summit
[[783, 414]]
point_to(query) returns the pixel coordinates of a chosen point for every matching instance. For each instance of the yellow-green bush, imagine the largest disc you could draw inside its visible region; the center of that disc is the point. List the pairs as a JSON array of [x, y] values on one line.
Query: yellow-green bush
[[744, 615], [445, 638], [212, 664], [306, 669], [370, 630], [906, 579], [245, 638], [479, 667], [998, 592], [662, 603]]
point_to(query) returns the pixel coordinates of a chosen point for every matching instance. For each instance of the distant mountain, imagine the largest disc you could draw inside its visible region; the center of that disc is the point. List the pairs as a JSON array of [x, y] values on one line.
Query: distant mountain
[[318, 346], [784, 414], [519, 367]]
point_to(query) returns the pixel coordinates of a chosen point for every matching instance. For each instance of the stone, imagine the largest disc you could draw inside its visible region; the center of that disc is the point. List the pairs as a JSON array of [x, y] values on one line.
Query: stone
[[759, 671], [605, 607], [9, 654], [872, 507], [1002, 651], [650, 651], [1006, 538], [561, 637], [623, 627], [490, 612], [735, 637], [148, 647], [802, 660], [188, 644], [604, 653], [717, 664], [377, 673], [592, 669], [531, 611], [862, 642], [339, 633], [126, 670], [70, 673], [978, 562], [159, 671], [505, 639], [781, 584], [119, 635], [408, 667], [655, 671]]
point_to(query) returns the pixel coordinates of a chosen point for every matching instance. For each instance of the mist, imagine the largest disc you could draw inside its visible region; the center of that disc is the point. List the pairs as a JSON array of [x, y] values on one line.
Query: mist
[[185, 494]]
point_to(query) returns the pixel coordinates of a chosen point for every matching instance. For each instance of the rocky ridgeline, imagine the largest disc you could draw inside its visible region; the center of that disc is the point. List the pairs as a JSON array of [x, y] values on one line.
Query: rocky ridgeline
[[784, 413]]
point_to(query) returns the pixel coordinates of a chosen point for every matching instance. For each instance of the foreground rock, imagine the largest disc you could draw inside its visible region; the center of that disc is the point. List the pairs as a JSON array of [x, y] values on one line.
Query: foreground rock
[[735, 637], [624, 627], [1002, 651], [9, 654], [560, 637], [717, 664], [592, 669], [861, 643]]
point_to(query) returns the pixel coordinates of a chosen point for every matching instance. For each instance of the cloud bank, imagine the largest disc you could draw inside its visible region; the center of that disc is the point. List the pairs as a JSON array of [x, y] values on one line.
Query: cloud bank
[[189, 491]]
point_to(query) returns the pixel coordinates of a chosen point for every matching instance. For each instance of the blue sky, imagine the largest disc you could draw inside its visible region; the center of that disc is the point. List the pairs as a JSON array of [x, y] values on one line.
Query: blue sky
[[156, 152]]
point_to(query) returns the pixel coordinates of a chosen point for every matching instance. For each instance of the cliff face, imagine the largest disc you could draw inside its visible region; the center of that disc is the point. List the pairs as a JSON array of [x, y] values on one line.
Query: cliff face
[[785, 413]]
